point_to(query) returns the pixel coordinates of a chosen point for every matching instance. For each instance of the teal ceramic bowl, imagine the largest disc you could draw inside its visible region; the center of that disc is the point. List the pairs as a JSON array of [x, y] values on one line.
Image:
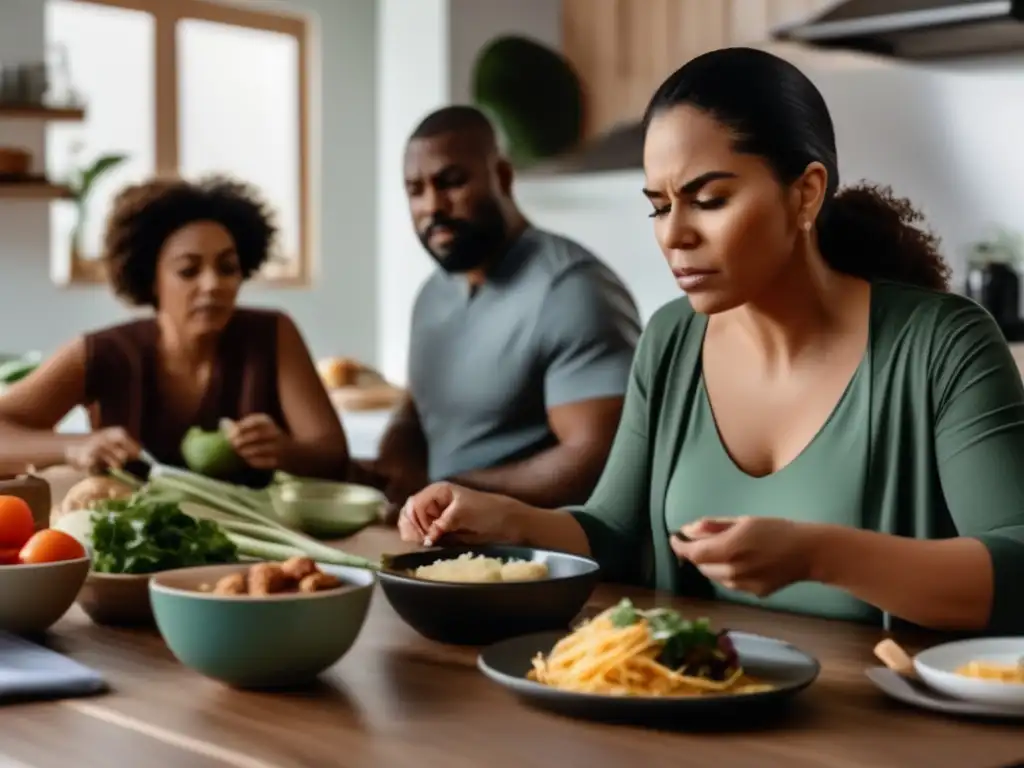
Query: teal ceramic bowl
[[324, 509], [280, 641]]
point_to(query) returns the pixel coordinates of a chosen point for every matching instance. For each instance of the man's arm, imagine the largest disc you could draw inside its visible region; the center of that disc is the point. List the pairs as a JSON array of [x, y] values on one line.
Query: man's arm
[[403, 443], [587, 334], [566, 473]]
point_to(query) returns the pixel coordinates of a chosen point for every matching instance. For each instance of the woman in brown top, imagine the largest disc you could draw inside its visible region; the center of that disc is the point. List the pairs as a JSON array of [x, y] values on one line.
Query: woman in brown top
[[184, 250]]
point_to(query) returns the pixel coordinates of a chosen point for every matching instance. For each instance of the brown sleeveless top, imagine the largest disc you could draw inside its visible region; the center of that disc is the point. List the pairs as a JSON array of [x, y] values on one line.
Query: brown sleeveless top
[[123, 387]]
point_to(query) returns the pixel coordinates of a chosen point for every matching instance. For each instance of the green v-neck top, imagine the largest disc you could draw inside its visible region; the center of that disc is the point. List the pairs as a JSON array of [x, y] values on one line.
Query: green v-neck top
[[927, 441]]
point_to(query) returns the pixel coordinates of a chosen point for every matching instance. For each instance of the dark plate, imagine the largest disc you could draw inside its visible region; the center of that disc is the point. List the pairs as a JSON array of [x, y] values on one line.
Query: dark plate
[[786, 667], [479, 614]]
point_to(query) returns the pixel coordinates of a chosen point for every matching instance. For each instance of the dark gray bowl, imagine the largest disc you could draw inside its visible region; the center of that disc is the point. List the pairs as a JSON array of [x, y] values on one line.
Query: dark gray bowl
[[479, 614]]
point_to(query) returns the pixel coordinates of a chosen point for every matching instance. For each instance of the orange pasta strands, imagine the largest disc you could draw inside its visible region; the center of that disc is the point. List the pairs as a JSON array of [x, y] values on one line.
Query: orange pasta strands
[[601, 658]]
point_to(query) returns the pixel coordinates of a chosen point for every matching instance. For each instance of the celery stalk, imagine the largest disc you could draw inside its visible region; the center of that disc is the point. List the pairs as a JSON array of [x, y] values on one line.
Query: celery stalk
[[210, 497], [254, 521], [247, 496], [125, 477], [249, 546], [263, 550]]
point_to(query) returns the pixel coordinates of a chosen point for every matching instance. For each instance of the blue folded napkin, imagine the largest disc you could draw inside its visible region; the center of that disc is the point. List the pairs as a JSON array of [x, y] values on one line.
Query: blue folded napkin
[[29, 671]]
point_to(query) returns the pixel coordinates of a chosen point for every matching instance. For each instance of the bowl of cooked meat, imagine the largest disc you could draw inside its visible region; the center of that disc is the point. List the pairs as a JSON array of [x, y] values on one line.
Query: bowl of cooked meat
[[261, 625]]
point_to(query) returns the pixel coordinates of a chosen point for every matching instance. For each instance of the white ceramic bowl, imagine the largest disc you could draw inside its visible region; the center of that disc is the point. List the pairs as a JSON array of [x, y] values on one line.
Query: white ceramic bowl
[[937, 668]]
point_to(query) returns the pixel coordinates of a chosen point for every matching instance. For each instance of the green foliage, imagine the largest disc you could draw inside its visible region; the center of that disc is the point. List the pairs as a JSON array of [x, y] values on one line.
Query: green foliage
[[82, 184], [143, 535], [532, 95], [88, 176]]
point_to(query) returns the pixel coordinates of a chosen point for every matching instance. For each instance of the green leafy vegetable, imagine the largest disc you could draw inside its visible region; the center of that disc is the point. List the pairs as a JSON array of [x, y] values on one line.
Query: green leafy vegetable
[[247, 516], [625, 613], [690, 647], [142, 535]]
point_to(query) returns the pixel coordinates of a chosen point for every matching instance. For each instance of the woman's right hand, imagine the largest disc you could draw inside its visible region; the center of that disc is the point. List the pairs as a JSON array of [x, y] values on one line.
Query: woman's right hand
[[461, 514], [107, 448]]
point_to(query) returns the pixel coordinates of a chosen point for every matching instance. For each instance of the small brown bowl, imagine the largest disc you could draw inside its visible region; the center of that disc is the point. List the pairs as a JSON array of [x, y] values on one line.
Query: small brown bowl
[[33, 597], [117, 599]]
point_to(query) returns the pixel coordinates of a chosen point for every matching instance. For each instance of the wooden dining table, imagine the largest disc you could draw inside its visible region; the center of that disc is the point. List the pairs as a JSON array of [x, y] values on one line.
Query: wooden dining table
[[397, 700]]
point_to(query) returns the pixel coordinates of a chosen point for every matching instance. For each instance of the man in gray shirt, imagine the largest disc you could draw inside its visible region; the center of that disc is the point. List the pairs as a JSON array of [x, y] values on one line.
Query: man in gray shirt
[[522, 341]]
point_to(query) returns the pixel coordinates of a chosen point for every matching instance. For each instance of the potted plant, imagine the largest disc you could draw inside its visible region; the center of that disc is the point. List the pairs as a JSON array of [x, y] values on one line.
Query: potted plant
[[533, 96], [81, 182]]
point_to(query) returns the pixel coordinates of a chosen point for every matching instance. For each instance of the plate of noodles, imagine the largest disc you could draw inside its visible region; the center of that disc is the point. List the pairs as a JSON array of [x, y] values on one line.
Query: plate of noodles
[[626, 661]]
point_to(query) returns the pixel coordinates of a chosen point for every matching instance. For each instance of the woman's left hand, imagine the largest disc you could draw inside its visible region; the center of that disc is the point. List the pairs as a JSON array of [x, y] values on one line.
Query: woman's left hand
[[258, 440], [760, 555]]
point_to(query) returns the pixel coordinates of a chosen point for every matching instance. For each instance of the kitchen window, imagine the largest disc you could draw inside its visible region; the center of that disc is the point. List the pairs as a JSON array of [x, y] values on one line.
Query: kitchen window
[[182, 87]]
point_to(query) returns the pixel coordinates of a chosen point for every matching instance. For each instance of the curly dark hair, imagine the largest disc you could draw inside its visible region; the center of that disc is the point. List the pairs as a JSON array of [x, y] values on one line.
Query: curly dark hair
[[145, 215], [776, 113], [869, 232]]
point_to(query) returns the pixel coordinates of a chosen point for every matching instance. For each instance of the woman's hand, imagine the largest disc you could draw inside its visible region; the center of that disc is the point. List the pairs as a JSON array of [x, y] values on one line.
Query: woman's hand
[[760, 555], [258, 440], [107, 448], [446, 509]]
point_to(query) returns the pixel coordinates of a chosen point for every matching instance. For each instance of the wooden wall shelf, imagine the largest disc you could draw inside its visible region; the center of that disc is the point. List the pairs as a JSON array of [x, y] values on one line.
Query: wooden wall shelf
[[33, 190], [41, 113]]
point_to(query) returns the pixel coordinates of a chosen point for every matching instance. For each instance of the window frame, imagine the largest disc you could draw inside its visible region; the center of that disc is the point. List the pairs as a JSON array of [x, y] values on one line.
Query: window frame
[[166, 14]]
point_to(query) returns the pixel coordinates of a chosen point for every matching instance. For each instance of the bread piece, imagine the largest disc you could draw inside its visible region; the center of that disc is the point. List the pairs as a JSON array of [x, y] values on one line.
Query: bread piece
[[339, 372]]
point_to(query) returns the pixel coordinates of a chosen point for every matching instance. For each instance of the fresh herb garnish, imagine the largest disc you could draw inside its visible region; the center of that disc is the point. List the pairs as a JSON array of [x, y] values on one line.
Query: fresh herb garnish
[[624, 614], [145, 535], [689, 647]]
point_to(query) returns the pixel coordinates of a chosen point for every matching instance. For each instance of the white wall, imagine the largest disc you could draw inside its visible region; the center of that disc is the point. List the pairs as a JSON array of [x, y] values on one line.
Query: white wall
[[337, 314], [426, 50], [947, 136], [413, 73], [607, 213]]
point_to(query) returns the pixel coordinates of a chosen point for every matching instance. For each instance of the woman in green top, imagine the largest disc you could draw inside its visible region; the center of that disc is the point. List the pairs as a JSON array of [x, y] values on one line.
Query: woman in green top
[[818, 426]]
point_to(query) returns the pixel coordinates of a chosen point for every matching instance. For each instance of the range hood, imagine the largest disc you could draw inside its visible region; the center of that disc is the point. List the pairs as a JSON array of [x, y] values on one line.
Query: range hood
[[914, 29]]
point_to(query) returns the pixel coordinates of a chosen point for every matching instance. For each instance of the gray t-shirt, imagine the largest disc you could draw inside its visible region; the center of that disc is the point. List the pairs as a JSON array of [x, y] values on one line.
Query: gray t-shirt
[[551, 326]]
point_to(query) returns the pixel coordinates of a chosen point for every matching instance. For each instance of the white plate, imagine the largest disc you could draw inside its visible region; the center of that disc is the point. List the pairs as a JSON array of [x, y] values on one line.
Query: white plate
[[937, 668]]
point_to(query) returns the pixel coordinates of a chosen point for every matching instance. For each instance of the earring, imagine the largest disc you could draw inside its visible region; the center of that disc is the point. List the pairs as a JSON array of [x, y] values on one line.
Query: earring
[[806, 225]]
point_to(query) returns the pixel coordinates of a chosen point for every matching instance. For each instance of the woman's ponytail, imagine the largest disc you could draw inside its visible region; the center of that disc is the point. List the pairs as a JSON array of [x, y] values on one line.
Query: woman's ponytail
[[867, 232]]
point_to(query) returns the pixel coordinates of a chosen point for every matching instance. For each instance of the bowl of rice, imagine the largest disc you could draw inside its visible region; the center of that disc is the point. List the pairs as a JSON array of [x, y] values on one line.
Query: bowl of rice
[[477, 595]]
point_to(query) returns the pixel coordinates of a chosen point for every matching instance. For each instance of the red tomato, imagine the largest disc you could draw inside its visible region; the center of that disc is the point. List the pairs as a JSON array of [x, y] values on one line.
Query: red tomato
[[9, 557], [51, 546], [16, 523]]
